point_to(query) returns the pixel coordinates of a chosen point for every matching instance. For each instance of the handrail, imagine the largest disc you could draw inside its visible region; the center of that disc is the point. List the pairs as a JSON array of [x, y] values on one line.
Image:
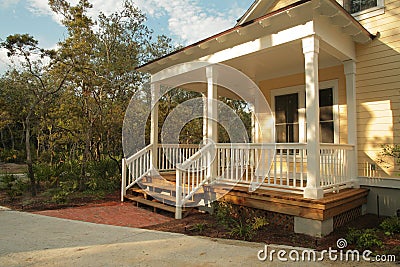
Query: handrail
[[135, 168], [336, 146], [139, 153], [261, 145], [178, 145], [184, 165], [187, 183]]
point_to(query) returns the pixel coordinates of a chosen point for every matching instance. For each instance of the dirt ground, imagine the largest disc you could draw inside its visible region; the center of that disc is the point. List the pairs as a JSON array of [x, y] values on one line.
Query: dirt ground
[[108, 211]]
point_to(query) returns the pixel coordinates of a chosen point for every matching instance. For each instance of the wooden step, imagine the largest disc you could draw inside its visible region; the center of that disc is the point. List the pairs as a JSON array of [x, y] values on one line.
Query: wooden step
[[162, 198], [154, 204], [169, 176], [161, 186]]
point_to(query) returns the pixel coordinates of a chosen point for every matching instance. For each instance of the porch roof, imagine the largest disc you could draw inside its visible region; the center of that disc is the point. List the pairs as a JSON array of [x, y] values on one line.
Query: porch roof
[[292, 15]]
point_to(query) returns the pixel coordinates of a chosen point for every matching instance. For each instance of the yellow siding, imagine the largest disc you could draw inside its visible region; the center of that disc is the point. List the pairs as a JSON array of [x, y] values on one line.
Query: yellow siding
[[378, 92], [281, 4]]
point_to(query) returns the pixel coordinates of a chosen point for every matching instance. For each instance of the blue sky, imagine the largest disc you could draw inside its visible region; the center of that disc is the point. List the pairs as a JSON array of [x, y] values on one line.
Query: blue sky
[[185, 21]]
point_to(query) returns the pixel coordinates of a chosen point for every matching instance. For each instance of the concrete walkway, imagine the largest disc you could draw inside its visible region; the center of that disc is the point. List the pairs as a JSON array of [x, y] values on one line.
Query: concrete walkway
[[34, 240]]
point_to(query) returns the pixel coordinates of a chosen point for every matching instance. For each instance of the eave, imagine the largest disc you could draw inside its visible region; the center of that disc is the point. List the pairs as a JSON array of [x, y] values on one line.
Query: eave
[[243, 33]]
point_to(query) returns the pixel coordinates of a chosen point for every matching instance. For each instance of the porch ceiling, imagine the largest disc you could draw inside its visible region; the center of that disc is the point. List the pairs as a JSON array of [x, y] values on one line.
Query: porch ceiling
[[279, 61], [326, 18], [276, 62]]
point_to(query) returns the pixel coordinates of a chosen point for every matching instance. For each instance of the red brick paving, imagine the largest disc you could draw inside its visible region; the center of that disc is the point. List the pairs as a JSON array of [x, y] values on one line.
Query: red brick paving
[[112, 213]]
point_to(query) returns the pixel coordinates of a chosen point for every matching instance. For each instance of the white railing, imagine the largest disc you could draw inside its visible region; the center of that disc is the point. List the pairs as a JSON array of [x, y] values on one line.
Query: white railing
[[191, 175], [169, 155], [279, 167], [276, 166], [282, 167], [135, 168], [334, 167]]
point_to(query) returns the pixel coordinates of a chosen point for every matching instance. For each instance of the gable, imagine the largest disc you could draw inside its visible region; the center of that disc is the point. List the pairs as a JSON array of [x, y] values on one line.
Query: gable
[[256, 10], [262, 7], [281, 4]]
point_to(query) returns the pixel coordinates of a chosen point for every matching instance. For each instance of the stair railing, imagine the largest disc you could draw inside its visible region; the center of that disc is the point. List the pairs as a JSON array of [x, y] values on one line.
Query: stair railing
[[135, 168], [191, 175]]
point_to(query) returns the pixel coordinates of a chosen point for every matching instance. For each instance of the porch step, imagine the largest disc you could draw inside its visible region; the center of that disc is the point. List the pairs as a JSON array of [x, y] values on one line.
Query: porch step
[[162, 198], [159, 187], [154, 204]]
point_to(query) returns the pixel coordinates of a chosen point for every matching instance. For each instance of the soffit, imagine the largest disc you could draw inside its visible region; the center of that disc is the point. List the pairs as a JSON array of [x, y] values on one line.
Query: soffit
[[295, 14]]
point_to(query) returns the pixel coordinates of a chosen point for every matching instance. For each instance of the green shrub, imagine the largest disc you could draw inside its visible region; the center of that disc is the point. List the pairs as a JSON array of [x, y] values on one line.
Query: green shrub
[[363, 239], [242, 230], [223, 213], [198, 227], [103, 176], [13, 185], [242, 222], [391, 225], [259, 222]]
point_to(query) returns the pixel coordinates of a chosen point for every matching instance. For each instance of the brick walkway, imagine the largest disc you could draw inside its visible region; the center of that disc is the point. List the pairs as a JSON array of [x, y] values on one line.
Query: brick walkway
[[112, 213]]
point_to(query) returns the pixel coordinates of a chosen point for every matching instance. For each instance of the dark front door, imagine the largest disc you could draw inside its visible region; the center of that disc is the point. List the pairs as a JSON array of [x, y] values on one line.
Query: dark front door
[[287, 118]]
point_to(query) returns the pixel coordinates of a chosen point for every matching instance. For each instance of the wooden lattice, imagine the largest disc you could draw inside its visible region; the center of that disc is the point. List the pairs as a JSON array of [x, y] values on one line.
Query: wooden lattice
[[282, 220], [346, 217]]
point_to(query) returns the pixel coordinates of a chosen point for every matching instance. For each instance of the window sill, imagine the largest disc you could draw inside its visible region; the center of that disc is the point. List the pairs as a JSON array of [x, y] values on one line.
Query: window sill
[[369, 13]]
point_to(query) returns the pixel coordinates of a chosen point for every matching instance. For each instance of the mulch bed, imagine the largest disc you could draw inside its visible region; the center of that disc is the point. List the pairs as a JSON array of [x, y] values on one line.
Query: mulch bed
[[110, 211]]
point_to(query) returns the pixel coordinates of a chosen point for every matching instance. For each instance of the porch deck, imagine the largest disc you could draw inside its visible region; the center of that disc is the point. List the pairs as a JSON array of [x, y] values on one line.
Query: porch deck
[[272, 177], [341, 207], [330, 205]]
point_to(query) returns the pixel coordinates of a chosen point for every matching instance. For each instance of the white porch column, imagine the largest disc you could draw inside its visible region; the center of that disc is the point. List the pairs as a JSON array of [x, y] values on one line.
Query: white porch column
[[350, 72], [311, 50], [255, 123], [155, 93], [212, 116], [204, 116]]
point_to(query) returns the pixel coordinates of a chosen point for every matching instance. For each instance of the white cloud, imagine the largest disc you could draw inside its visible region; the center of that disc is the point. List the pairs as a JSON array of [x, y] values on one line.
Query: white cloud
[[188, 21], [41, 7], [8, 3], [4, 61]]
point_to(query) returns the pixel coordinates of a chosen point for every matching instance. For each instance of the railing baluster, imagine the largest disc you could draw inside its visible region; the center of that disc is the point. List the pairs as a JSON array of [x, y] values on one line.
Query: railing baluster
[[302, 168], [252, 163], [270, 155], [275, 174], [281, 167], [294, 167], [287, 166]]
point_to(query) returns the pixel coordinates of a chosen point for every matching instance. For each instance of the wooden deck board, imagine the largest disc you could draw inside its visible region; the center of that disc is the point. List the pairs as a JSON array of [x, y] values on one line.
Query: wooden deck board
[[294, 204], [288, 203], [150, 203]]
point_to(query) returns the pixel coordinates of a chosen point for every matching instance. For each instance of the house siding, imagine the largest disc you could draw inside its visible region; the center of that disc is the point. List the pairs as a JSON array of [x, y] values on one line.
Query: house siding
[[378, 93], [281, 4]]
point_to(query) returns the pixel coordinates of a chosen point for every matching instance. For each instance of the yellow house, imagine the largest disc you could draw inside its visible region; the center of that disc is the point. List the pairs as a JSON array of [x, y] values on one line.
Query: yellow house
[[329, 72]]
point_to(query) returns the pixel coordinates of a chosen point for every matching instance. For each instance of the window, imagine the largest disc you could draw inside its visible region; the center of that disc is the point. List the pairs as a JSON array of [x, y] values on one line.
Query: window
[[287, 118], [354, 6], [363, 9], [289, 107], [326, 120]]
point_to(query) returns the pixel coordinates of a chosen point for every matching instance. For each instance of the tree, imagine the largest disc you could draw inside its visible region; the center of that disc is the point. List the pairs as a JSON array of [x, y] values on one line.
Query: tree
[[71, 102], [103, 54], [34, 81]]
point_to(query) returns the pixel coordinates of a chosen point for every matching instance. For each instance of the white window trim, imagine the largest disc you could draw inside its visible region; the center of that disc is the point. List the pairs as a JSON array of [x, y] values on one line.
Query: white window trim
[[379, 9], [301, 91]]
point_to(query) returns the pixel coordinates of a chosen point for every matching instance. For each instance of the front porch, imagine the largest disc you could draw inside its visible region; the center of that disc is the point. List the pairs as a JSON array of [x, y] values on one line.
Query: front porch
[[272, 177]]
